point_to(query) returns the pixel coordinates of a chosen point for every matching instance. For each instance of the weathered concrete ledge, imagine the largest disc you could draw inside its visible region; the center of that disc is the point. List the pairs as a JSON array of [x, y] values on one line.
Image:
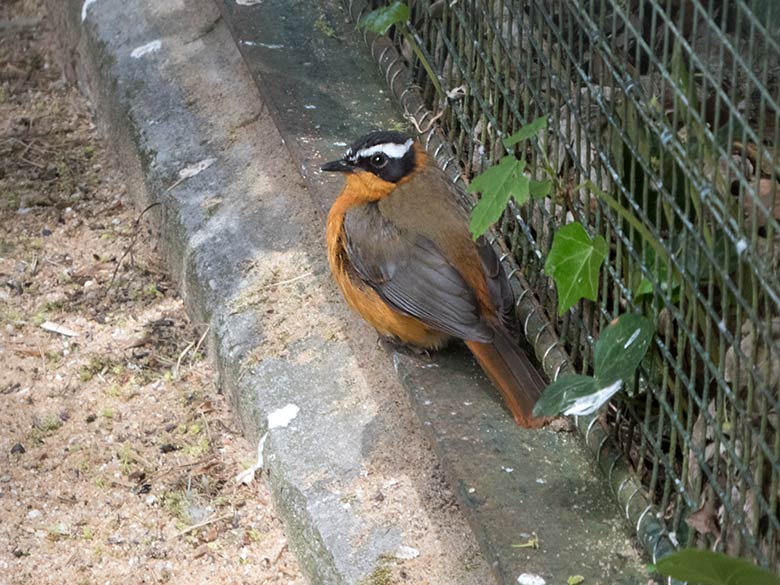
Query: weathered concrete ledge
[[244, 241], [349, 463]]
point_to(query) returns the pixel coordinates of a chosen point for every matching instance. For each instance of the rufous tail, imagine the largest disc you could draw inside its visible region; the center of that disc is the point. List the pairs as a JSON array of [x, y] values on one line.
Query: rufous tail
[[512, 372]]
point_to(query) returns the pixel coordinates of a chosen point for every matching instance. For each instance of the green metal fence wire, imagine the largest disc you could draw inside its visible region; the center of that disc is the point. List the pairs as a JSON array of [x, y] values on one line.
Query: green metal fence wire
[[668, 110]]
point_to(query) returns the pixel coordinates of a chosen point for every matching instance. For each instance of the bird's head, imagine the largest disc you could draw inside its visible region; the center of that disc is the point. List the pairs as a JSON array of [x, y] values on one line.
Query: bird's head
[[390, 156]]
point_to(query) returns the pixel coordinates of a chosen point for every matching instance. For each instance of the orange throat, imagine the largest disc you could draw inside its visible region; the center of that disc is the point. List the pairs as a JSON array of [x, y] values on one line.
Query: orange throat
[[363, 188]]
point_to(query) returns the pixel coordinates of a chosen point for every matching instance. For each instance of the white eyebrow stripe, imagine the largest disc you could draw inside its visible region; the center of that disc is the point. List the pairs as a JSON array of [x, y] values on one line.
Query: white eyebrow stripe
[[389, 149]]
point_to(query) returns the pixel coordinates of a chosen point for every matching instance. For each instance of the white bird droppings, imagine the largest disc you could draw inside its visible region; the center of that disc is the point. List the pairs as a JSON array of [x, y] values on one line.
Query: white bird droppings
[[151, 47], [632, 339], [194, 169], [280, 417], [84, 7], [406, 553], [530, 579], [592, 402], [248, 475], [264, 45], [283, 416]]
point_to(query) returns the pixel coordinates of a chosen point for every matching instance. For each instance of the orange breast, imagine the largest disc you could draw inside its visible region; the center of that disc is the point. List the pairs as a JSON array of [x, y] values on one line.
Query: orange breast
[[359, 296]]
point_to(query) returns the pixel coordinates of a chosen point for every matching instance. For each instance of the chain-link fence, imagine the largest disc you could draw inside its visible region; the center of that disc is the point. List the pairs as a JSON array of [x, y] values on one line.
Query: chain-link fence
[[667, 111]]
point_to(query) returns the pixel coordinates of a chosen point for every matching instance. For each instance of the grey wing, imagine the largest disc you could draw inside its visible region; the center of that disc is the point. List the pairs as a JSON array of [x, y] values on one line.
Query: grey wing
[[413, 277], [499, 289]]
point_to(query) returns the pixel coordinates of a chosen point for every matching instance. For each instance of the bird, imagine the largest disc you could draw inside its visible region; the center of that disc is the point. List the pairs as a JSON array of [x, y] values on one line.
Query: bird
[[399, 249]]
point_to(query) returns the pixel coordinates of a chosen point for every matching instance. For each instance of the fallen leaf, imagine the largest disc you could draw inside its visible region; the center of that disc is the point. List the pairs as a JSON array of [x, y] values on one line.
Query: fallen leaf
[[703, 520]]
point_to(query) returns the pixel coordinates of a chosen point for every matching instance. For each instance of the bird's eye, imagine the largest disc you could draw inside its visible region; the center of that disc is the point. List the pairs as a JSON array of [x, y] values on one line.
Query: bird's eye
[[378, 161]]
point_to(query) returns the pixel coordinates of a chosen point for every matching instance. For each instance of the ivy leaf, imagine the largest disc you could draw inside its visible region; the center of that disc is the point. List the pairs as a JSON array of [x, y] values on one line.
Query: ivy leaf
[[540, 189], [664, 275], [564, 394], [381, 19], [621, 348], [574, 262], [703, 567], [530, 129], [645, 287], [618, 353], [497, 185]]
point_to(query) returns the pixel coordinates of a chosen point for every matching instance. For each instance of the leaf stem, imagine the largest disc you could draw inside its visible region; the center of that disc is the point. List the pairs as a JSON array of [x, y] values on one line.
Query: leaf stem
[[423, 61], [629, 217]]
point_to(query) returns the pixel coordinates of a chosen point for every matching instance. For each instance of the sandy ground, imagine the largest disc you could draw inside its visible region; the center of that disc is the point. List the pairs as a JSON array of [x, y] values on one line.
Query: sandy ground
[[118, 454]]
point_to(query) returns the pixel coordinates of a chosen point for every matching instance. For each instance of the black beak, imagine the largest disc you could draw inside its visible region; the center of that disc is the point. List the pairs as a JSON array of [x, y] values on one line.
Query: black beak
[[338, 166]]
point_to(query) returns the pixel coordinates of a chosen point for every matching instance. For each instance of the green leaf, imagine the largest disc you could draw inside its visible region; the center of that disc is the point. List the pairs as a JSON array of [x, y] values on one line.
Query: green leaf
[[618, 352], [688, 254], [574, 262], [530, 129], [497, 185], [621, 348], [645, 287], [540, 189], [703, 567], [381, 19], [664, 277], [562, 393]]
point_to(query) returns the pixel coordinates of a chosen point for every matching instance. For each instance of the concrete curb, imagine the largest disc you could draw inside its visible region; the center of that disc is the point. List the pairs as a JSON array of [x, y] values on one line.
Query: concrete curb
[[242, 237]]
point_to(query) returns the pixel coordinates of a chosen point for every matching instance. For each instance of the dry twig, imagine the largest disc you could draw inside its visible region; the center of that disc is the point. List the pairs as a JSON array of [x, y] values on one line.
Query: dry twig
[[136, 234], [201, 525]]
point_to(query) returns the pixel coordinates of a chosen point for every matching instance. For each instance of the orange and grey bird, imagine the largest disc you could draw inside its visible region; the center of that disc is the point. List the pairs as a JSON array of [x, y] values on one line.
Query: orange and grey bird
[[401, 252]]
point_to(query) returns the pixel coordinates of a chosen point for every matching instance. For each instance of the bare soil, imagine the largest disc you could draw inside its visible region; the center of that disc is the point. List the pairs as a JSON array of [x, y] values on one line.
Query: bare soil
[[118, 454]]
